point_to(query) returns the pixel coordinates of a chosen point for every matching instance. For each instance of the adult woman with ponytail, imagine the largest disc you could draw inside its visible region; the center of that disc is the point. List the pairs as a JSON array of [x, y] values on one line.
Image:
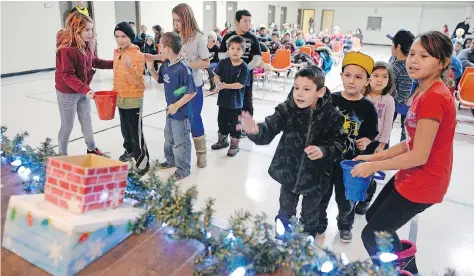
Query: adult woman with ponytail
[[424, 159], [196, 53], [75, 61]]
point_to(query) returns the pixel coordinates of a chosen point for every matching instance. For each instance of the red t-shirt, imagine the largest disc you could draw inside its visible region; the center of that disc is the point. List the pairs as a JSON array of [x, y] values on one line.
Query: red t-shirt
[[429, 183]]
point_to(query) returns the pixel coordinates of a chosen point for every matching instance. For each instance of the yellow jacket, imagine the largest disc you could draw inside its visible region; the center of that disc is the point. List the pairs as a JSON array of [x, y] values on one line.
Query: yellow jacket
[[129, 82]]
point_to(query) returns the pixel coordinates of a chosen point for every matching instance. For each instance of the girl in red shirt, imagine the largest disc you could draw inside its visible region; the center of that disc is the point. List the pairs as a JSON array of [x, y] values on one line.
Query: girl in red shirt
[[424, 159]]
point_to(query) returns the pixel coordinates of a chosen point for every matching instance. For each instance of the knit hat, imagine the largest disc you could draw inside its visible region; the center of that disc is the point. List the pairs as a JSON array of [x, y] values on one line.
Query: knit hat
[[359, 59], [126, 29]]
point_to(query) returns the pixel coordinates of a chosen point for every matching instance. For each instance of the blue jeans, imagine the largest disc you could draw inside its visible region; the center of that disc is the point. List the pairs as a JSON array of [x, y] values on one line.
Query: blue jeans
[[197, 127], [178, 144]]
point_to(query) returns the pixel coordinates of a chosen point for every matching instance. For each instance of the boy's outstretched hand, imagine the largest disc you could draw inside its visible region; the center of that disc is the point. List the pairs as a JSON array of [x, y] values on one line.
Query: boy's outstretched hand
[[314, 152], [247, 123]]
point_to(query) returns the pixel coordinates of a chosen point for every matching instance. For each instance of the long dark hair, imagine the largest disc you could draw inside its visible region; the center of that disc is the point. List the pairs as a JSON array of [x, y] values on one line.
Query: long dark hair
[[440, 47], [390, 88]]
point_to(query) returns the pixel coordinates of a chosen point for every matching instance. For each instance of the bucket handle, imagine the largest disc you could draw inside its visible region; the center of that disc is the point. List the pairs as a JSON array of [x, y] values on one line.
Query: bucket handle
[[379, 175]]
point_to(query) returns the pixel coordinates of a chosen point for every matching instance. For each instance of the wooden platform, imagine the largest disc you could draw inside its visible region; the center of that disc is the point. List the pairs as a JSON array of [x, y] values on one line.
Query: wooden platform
[[151, 253]]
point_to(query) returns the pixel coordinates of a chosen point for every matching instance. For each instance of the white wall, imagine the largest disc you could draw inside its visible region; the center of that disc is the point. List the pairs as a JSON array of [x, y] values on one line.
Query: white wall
[[35, 48], [104, 20], [418, 16], [159, 13]]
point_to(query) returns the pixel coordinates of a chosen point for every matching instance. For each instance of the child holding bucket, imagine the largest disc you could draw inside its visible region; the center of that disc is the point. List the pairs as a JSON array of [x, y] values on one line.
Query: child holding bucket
[[379, 92], [425, 159], [313, 136], [130, 86], [74, 62], [177, 77], [360, 125]]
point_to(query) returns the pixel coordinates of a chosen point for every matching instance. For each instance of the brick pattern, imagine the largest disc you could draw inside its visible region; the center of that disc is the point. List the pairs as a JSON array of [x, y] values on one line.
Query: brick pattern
[[65, 181]]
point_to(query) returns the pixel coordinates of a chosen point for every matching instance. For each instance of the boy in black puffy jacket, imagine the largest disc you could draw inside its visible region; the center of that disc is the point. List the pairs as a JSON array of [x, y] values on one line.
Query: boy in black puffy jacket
[[313, 137]]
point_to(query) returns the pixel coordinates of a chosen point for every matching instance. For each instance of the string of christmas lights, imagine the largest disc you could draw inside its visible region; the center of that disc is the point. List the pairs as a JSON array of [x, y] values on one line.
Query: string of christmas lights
[[247, 247]]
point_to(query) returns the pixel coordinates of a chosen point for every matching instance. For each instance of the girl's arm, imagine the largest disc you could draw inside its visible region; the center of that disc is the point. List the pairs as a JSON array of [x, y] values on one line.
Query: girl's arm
[[425, 134], [102, 64], [202, 64], [388, 121], [203, 54], [68, 72], [392, 152]]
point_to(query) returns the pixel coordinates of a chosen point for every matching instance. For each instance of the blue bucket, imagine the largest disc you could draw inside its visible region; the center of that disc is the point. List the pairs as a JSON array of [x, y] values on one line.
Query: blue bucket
[[356, 187]]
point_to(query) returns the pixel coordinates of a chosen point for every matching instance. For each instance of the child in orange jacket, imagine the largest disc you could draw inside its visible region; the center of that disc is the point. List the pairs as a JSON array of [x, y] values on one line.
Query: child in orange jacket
[[130, 86]]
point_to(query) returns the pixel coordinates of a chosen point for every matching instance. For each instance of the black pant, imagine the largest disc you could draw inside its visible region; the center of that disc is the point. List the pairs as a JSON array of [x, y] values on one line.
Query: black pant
[[227, 120], [309, 208], [132, 132], [248, 97], [345, 218], [403, 117], [389, 212]]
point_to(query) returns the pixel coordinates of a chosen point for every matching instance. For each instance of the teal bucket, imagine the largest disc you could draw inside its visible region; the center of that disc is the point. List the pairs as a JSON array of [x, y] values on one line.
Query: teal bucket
[[356, 187]]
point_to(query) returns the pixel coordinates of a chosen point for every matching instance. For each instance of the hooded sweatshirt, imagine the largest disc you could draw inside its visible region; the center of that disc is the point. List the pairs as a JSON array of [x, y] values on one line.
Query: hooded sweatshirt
[[74, 69], [129, 82], [322, 127]]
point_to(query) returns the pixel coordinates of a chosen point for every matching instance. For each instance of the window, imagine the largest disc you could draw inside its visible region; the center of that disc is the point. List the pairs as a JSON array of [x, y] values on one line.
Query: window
[[374, 23]]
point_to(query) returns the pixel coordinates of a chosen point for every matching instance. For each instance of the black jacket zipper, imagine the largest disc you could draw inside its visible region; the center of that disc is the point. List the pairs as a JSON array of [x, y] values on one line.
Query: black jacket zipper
[[308, 134]]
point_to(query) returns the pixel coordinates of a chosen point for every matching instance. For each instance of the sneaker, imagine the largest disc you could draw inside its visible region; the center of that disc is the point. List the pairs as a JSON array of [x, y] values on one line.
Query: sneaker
[[345, 236], [234, 147], [125, 157], [222, 143], [96, 152], [166, 165], [177, 177], [144, 171], [362, 207]]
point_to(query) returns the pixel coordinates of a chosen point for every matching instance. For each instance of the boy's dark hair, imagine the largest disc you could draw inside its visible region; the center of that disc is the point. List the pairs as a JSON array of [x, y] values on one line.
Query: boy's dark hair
[[237, 40], [277, 34], [241, 13], [172, 40], [131, 22], [390, 88], [313, 73], [439, 46], [405, 39]]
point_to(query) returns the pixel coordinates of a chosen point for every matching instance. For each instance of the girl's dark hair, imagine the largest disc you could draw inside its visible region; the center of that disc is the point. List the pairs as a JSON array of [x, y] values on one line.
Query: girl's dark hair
[[390, 88], [465, 42], [313, 73], [440, 47]]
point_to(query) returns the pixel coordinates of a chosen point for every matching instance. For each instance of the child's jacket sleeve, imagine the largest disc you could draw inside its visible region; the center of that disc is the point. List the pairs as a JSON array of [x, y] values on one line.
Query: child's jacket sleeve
[[68, 71], [334, 144], [102, 64], [272, 126]]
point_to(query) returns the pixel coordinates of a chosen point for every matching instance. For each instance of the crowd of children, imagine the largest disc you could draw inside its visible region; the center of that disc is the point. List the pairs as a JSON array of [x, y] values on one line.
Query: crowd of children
[[320, 128]]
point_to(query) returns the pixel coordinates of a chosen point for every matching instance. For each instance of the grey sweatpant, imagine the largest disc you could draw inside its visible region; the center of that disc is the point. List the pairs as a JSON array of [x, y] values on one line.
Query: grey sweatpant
[[69, 105]]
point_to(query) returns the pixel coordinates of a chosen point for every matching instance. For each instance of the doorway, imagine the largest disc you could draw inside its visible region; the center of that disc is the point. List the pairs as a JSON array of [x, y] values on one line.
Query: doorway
[[327, 21], [307, 15], [271, 14], [299, 17], [231, 9], [283, 15], [209, 13]]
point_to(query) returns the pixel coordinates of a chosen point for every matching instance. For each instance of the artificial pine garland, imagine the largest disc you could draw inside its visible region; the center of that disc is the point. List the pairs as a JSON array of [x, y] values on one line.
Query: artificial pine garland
[[248, 247]]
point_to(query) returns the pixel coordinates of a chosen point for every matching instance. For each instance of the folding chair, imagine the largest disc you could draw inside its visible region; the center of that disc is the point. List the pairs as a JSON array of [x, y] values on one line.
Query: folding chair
[[282, 63]]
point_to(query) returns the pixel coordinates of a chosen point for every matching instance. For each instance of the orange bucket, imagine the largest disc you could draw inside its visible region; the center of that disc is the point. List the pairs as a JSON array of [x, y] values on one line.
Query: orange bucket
[[106, 102]]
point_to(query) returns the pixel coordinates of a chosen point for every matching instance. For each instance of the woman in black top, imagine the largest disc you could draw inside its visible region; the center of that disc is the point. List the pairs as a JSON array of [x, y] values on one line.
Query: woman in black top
[[214, 58]]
